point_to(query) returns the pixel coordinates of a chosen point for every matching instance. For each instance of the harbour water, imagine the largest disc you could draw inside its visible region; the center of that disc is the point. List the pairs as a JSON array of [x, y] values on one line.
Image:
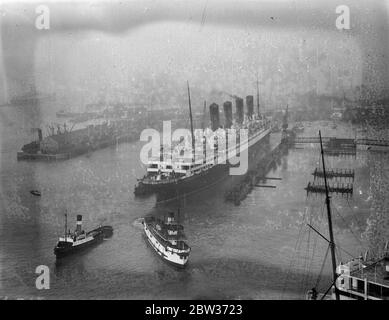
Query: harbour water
[[261, 249]]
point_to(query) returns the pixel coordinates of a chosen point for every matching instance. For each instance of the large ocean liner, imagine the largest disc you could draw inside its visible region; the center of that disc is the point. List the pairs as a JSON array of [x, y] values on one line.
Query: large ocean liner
[[174, 170]]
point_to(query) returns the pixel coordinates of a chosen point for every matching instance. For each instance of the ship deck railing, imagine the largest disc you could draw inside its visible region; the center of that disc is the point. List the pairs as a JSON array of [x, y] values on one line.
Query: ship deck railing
[[161, 181], [363, 287]]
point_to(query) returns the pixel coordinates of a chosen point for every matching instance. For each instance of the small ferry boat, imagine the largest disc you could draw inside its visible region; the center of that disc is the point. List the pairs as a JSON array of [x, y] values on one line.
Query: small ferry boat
[[167, 238], [79, 239]]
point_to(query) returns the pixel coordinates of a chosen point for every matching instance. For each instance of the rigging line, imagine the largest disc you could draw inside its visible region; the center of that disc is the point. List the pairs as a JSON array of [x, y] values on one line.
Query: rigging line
[[306, 255], [344, 250], [340, 248], [348, 227], [322, 267], [332, 284], [337, 246], [305, 264], [306, 258], [308, 266], [291, 260], [310, 276], [338, 253], [315, 241], [296, 248], [204, 14]]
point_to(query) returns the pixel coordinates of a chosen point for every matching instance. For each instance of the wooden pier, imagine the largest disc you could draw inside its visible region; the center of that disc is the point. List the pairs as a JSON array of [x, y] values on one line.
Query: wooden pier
[[340, 152], [335, 173], [373, 143], [339, 188], [334, 142]]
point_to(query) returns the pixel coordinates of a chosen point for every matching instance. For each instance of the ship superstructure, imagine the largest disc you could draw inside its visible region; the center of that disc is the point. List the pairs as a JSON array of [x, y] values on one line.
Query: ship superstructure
[[364, 279]]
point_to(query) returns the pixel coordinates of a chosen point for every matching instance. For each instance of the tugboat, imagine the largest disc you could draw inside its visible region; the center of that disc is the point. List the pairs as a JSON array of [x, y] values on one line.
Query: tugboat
[[79, 239], [167, 238]]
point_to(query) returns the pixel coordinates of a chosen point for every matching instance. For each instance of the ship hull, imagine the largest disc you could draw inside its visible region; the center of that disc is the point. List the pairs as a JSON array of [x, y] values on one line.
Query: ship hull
[[205, 179], [65, 251]]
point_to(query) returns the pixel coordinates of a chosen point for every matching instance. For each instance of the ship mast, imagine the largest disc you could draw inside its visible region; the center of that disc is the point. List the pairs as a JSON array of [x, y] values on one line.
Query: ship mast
[[66, 225], [203, 120], [191, 125], [332, 243], [257, 96]]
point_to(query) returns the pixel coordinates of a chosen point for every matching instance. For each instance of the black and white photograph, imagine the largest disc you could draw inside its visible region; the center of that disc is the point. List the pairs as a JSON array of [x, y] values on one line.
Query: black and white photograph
[[221, 150]]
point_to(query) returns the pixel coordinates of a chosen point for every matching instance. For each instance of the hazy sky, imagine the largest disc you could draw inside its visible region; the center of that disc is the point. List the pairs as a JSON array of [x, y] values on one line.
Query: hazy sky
[[145, 50]]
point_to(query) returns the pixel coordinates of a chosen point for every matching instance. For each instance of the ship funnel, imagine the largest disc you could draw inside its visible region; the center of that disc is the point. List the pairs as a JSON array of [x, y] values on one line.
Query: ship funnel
[[79, 223], [250, 106], [161, 152], [227, 106], [39, 134], [214, 113], [239, 109]]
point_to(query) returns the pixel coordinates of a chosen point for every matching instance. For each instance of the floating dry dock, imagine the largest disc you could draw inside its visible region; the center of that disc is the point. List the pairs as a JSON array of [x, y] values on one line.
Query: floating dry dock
[[240, 191]]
